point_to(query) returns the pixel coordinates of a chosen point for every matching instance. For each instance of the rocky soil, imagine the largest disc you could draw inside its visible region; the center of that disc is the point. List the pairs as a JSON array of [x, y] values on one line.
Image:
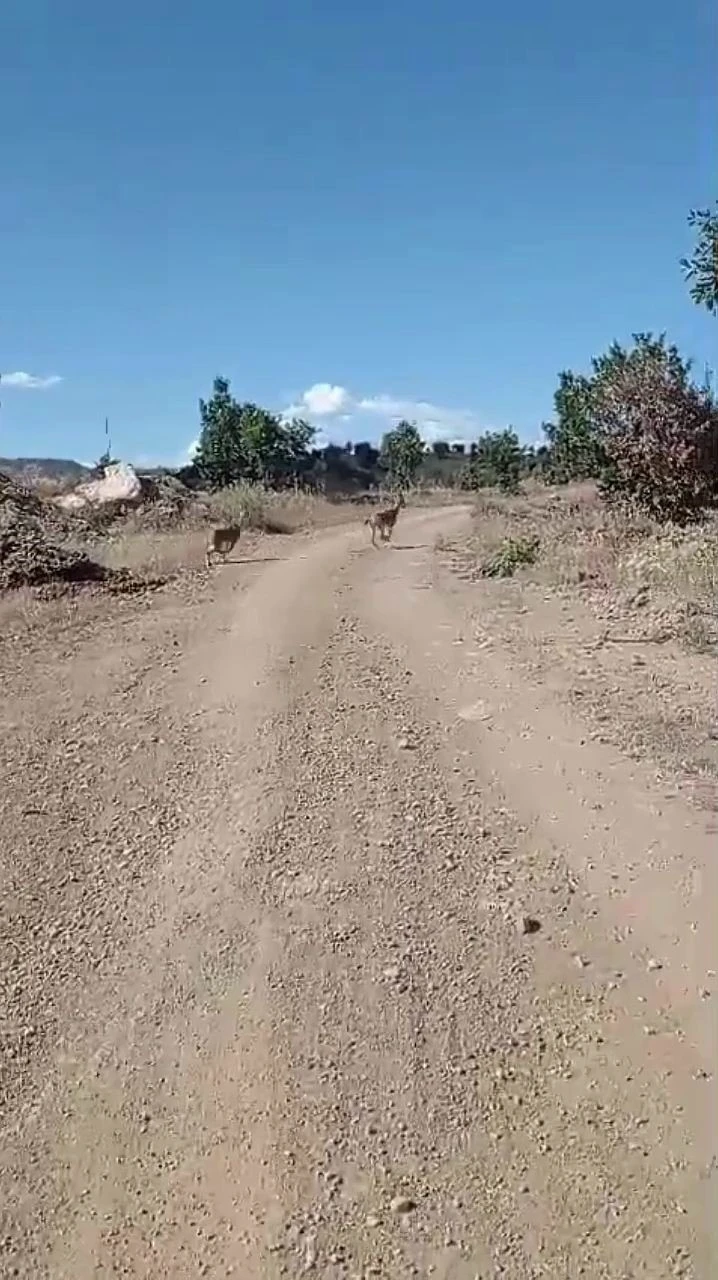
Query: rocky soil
[[334, 943]]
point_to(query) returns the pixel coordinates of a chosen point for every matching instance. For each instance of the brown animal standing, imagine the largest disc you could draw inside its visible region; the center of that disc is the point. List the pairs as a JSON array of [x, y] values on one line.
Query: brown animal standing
[[221, 542], [384, 521]]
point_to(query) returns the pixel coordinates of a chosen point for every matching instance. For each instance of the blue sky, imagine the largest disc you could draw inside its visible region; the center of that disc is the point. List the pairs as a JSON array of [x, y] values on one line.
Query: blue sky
[[388, 208]]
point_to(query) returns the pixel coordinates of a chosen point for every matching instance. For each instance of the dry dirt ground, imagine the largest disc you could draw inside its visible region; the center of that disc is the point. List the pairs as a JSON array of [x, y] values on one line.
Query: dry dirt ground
[[273, 1003]]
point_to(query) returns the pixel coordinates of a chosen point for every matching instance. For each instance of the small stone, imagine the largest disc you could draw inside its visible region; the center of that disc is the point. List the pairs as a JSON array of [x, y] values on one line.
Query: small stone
[[392, 971], [581, 962], [402, 1204], [654, 965], [403, 744], [527, 924], [372, 1220]]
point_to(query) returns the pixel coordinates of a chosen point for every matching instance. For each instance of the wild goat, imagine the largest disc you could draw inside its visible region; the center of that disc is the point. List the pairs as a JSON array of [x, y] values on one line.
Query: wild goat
[[384, 521], [221, 542]]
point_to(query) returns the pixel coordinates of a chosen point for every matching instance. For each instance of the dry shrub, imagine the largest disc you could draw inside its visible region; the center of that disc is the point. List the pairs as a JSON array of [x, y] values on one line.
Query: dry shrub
[[278, 511], [255, 505], [658, 430]]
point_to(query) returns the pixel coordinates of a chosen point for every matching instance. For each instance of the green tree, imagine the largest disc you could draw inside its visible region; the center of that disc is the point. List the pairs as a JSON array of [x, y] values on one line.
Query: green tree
[[575, 450], [220, 456], [402, 451], [262, 437], [275, 450], [701, 269], [658, 430], [243, 441], [297, 445], [496, 459]]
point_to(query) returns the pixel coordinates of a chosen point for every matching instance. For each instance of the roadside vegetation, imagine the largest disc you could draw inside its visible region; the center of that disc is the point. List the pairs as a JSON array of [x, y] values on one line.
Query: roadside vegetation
[[636, 428]]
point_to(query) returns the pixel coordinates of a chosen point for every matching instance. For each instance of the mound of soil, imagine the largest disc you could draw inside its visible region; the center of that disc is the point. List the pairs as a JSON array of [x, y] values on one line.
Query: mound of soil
[[60, 524], [31, 554], [167, 502]]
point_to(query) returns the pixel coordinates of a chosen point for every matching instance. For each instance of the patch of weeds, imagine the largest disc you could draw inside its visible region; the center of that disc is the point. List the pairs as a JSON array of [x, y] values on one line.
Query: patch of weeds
[[510, 555]]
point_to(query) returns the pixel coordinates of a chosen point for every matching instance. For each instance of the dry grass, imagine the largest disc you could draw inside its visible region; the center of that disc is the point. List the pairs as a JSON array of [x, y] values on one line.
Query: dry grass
[[426, 494], [143, 544], [161, 554], [581, 543], [617, 618], [277, 512]]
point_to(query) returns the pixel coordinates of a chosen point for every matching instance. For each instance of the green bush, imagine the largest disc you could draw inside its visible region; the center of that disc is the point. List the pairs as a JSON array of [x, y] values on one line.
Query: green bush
[[497, 459], [510, 555]]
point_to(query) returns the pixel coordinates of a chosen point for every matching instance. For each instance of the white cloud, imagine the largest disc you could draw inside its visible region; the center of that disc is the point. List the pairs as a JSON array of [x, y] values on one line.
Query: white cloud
[[335, 404], [323, 400], [192, 448], [28, 381], [435, 421]]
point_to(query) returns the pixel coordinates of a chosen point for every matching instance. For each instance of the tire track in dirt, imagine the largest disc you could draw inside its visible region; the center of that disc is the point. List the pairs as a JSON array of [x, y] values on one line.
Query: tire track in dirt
[[129, 1104], [320, 1001]]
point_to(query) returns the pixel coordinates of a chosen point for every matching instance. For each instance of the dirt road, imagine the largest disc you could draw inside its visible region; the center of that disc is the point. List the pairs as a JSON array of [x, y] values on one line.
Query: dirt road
[[272, 1003]]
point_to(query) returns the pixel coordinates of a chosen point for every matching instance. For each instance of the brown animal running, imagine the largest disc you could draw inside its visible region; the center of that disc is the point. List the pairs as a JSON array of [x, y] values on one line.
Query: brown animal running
[[221, 542], [384, 521]]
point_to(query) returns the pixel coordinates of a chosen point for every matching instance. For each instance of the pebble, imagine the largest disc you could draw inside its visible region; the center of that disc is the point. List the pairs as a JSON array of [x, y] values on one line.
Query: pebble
[[581, 962], [653, 965], [527, 924], [402, 1204]]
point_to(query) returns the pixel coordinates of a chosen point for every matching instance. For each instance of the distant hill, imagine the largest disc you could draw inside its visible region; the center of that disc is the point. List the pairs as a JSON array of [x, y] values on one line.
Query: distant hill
[[64, 470]]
